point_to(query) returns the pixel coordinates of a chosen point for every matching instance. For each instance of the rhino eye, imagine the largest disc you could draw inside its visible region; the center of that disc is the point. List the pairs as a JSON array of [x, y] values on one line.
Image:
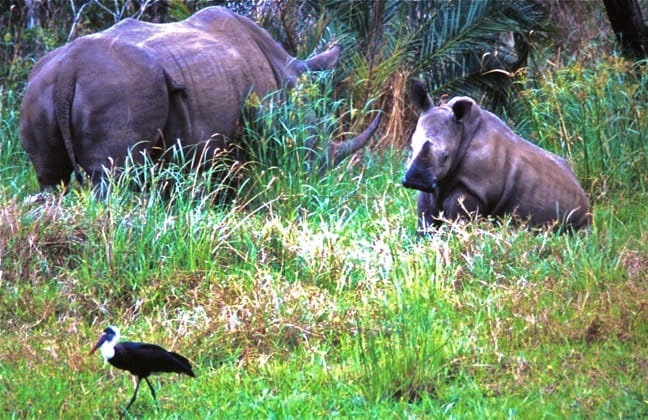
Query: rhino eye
[[444, 157]]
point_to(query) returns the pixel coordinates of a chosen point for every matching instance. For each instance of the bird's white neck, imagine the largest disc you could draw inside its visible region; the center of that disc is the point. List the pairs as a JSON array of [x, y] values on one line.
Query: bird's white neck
[[107, 348]]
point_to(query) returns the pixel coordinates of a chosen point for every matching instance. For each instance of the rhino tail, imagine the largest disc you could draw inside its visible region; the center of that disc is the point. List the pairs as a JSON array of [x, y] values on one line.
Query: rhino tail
[[179, 120], [63, 95]]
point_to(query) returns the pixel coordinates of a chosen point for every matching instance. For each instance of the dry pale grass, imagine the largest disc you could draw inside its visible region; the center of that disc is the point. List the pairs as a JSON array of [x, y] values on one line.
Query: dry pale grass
[[44, 235]]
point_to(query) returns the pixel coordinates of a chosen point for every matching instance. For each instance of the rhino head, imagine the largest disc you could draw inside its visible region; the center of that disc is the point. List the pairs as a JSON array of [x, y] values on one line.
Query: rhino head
[[436, 146]]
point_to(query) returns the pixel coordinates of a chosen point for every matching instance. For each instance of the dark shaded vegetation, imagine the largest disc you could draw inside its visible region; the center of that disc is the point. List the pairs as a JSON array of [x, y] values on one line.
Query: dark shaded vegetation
[[629, 26]]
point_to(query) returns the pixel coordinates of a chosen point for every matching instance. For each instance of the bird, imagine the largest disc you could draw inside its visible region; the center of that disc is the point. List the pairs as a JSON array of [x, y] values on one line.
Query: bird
[[140, 359]]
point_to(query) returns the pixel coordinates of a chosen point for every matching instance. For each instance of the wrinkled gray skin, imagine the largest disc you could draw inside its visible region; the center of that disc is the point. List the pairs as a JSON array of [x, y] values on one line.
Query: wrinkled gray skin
[[466, 161], [144, 87]]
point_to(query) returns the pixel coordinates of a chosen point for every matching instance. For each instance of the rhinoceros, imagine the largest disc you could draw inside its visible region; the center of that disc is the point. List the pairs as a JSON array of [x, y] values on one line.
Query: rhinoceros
[[465, 161], [143, 87]]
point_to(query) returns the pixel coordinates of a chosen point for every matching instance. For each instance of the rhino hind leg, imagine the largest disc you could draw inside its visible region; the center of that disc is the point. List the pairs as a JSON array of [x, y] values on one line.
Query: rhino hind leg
[[53, 169], [42, 141]]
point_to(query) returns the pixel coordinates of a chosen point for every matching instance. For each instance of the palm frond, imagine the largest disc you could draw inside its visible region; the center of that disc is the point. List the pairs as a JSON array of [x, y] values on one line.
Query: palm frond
[[469, 48]]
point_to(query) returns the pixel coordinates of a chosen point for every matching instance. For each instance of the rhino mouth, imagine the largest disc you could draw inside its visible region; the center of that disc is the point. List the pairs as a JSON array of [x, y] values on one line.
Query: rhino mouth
[[429, 188], [421, 186], [420, 180]]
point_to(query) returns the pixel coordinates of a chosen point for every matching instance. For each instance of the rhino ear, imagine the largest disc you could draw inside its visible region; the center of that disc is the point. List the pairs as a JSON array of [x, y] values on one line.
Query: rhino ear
[[419, 95], [462, 107]]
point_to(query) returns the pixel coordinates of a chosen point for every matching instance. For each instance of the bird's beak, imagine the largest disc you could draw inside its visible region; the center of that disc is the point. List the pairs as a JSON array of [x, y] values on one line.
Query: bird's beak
[[102, 340]]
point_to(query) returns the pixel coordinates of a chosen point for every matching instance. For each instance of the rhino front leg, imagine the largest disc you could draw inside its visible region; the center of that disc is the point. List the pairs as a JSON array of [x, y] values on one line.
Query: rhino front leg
[[460, 203], [428, 211]]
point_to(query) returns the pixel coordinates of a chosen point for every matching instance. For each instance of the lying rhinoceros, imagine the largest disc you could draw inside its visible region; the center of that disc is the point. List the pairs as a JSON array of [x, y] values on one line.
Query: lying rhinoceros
[[466, 161], [144, 87]]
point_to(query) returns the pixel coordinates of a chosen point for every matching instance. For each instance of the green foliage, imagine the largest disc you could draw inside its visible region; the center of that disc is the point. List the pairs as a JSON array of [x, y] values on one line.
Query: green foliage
[[286, 144], [407, 359], [23, 42], [12, 156]]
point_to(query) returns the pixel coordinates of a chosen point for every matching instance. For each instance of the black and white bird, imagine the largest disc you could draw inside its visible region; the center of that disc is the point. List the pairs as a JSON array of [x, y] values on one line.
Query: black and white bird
[[140, 359]]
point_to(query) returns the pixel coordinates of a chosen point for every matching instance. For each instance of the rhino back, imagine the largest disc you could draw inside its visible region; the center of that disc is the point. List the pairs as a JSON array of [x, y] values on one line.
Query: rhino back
[[252, 41], [512, 175], [217, 59]]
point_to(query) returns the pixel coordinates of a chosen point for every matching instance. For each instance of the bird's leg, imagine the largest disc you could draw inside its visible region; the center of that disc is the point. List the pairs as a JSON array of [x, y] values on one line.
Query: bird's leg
[[150, 386], [134, 393], [152, 392]]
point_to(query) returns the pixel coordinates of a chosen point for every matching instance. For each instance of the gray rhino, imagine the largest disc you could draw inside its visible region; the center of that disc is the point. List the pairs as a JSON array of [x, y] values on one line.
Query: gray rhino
[[465, 161], [144, 87]]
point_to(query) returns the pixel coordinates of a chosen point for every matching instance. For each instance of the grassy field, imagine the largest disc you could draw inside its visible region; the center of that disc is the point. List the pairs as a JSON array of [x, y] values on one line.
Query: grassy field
[[312, 296]]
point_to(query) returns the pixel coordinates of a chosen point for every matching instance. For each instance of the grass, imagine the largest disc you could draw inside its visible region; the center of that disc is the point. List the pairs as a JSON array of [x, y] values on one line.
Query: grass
[[312, 296]]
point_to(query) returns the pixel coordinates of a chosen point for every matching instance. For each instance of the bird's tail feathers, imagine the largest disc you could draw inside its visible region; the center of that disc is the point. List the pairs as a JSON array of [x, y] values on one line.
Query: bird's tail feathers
[[183, 365]]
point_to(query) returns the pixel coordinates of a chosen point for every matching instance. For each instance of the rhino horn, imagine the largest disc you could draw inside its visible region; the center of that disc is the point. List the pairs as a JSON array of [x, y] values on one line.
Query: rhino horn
[[324, 61], [337, 152]]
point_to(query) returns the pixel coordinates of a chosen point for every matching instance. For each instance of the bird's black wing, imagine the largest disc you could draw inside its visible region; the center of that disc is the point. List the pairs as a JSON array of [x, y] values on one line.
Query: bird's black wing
[[153, 358]]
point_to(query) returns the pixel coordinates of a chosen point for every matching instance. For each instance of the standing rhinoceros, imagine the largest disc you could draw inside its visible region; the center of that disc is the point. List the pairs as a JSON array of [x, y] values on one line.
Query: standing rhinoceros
[[465, 160], [144, 87]]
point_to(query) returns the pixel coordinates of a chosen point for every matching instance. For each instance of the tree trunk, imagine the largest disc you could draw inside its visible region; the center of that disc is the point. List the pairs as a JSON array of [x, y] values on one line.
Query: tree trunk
[[628, 26]]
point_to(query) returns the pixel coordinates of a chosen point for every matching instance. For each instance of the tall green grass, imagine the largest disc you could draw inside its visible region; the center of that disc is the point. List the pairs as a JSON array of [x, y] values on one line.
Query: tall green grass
[[310, 295], [13, 171], [286, 142]]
